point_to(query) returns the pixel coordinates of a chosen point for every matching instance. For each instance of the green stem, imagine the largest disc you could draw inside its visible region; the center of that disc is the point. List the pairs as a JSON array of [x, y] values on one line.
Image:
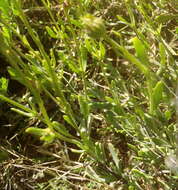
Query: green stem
[[16, 104]]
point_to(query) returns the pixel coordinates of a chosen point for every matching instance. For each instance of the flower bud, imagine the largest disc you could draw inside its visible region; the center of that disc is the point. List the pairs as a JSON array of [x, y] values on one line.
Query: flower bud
[[94, 26]]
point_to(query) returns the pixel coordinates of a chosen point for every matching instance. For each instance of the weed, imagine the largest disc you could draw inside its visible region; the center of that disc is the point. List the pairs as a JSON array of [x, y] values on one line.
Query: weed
[[99, 86]]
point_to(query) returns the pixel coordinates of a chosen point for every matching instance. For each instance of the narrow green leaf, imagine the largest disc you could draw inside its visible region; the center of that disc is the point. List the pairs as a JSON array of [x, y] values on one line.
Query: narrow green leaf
[[93, 175], [122, 51], [123, 20], [99, 149], [51, 32], [25, 41], [100, 105], [26, 114], [14, 103], [169, 48], [83, 59], [84, 105], [114, 155], [15, 74], [157, 94], [141, 174], [163, 56], [68, 120], [133, 147], [102, 50], [140, 51], [73, 66]]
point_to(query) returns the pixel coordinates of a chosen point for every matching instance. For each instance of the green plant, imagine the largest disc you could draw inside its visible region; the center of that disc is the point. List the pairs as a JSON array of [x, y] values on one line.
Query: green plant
[[102, 85]]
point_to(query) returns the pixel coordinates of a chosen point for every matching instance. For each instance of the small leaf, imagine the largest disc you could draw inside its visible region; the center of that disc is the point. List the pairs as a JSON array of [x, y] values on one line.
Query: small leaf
[[140, 50], [25, 41], [168, 114], [139, 173], [75, 22], [7, 33], [100, 152], [15, 75], [123, 20], [16, 104], [93, 175], [114, 155], [26, 114], [157, 93], [73, 66], [101, 105], [83, 59], [84, 105], [102, 51], [51, 32], [68, 120]]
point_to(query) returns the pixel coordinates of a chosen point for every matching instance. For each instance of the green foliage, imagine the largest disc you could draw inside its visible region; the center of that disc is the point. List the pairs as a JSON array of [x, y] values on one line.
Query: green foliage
[[106, 96], [157, 94]]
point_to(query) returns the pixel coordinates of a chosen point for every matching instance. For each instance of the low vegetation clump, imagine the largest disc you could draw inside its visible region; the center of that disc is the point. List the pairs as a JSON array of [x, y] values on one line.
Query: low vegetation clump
[[88, 94]]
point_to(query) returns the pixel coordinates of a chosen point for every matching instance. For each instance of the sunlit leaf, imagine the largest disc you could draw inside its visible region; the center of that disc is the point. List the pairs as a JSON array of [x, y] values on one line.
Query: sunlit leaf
[[157, 93]]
